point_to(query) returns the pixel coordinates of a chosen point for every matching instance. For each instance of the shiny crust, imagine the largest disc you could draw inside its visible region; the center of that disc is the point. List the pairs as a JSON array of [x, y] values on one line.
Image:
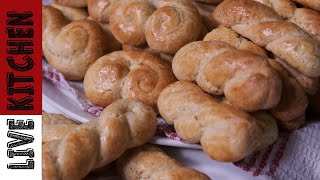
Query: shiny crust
[[55, 126], [72, 3], [225, 132], [100, 10], [290, 112], [71, 13], [124, 124], [293, 101], [229, 36], [306, 19], [127, 74], [165, 25], [63, 48], [139, 163], [265, 27], [219, 68], [313, 4]]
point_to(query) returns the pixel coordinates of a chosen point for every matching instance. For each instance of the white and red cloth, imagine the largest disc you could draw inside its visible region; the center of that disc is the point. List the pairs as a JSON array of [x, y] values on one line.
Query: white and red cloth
[[292, 156]]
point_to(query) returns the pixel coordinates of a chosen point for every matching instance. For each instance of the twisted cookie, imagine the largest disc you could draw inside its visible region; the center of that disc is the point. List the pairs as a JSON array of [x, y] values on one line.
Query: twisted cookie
[[219, 68], [63, 47], [266, 28], [150, 162], [225, 132], [290, 112], [127, 74], [122, 125], [306, 19], [165, 25]]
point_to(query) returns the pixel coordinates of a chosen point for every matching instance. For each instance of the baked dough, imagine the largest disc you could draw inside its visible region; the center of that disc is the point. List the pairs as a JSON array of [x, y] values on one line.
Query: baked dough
[[122, 125], [219, 68], [164, 25], [63, 47], [265, 27], [225, 132], [127, 74], [150, 162]]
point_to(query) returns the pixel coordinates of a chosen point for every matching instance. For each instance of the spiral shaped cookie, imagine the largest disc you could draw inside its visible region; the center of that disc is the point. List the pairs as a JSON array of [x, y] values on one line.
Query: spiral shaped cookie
[[72, 3], [139, 163], [63, 48], [165, 25], [219, 68], [122, 125], [266, 28], [127, 74], [225, 132]]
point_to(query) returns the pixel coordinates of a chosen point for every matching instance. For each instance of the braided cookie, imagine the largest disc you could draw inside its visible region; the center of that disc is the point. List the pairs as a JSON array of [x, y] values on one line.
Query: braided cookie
[[290, 112], [266, 28], [225, 132], [71, 13], [63, 48], [127, 74], [165, 25], [306, 19], [219, 68], [150, 162], [55, 126], [72, 3], [122, 125]]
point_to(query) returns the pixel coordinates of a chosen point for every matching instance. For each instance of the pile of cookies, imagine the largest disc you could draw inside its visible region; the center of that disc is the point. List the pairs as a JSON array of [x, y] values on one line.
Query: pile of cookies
[[227, 74]]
